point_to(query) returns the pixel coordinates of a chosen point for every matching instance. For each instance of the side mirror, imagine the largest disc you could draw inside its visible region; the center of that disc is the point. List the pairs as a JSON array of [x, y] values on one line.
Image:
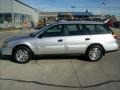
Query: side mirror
[[31, 34], [40, 36]]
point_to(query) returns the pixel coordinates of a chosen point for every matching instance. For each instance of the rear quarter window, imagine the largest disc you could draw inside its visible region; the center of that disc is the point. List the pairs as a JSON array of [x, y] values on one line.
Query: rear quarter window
[[97, 29], [108, 29], [100, 29]]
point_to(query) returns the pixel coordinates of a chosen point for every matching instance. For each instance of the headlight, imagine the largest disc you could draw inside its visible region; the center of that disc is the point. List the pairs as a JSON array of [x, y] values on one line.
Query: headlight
[[4, 44]]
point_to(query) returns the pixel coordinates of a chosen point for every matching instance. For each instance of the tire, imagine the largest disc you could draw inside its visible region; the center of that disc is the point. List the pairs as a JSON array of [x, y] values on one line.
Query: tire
[[22, 55], [94, 53]]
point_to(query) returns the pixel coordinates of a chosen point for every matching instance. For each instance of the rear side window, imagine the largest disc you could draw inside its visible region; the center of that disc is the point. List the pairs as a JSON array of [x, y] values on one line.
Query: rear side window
[[82, 30], [96, 29], [75, 29], [91, 29], [72, 30]]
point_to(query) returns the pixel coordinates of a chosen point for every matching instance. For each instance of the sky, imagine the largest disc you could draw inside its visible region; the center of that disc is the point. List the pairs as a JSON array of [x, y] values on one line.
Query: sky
[[95, 6]]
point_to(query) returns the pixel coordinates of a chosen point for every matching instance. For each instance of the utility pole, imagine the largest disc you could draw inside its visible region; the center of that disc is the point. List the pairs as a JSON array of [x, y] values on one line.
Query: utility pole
[[104, 3], [12, 13], [73, 7]]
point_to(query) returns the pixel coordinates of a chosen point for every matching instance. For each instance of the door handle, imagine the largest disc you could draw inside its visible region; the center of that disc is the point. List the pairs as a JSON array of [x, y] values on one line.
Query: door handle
[[87, 38], [60, 40]]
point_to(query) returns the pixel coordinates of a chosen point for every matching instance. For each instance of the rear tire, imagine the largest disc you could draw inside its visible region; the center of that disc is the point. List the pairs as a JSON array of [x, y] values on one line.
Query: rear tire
[[94, 53], [22, 55]]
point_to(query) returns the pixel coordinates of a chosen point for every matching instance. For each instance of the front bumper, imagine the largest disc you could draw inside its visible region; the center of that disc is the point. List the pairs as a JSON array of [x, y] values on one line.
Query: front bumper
[[6, 51]]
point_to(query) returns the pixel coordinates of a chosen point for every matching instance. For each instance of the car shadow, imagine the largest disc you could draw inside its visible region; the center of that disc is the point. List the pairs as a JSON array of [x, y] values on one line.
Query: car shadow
[[5, 57], [60, 57]]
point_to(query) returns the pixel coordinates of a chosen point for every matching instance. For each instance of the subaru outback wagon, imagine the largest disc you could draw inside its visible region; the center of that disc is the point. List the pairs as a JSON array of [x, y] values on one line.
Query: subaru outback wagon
[[90, 38]]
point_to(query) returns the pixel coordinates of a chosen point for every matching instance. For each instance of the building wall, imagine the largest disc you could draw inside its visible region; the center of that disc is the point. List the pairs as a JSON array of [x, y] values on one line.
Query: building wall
[[5, 6], [22, 9], [15, 11]]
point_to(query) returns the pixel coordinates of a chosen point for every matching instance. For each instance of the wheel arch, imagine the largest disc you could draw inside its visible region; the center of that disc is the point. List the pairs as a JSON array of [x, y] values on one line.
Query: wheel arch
[[96, 44], [24, 46]]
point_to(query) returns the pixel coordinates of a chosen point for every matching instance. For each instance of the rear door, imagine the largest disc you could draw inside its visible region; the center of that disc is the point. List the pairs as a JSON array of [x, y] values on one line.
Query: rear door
[[100, 34], [77, 39]]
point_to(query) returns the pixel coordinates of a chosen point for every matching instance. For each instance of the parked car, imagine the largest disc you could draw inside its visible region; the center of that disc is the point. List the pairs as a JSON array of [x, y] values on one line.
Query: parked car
[[113, 23], [89, 38], [116, 24]]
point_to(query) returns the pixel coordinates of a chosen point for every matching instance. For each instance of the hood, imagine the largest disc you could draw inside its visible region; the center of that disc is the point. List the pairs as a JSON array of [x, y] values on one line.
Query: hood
[[18, 38]]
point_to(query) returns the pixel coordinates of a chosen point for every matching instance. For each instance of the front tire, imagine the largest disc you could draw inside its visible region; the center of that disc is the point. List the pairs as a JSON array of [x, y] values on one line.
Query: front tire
[[22, 55], [94, 53]]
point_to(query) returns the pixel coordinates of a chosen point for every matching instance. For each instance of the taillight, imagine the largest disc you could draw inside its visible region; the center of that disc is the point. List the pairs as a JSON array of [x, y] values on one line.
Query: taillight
[[115, 36]]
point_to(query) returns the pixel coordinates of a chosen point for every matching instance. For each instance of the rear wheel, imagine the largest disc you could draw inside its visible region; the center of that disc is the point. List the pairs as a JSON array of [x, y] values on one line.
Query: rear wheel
[[22, 54], [94, 53]]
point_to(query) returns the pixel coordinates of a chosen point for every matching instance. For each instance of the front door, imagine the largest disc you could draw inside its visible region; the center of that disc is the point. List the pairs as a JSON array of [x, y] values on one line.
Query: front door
[[52, 40]]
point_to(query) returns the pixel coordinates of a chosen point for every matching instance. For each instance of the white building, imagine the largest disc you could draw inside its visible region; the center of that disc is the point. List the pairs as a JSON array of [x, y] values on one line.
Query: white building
[[14, 12]]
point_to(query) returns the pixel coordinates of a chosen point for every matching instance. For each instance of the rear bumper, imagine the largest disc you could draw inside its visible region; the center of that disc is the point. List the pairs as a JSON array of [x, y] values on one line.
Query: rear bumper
[[112, 48], [112, 51]]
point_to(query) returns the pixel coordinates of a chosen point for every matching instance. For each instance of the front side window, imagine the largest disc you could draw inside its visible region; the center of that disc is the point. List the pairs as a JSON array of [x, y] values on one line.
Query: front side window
[[56, 30]]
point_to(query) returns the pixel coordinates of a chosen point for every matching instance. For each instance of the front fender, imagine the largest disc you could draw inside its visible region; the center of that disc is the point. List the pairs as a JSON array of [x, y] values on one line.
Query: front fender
[[30, 45]]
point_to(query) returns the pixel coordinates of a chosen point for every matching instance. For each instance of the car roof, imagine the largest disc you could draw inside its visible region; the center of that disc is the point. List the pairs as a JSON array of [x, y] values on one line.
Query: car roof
[[79, 22]]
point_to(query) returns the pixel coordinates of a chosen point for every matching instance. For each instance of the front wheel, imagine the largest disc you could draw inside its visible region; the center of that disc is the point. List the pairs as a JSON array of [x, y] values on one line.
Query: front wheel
[[94, 53], [22, 54]]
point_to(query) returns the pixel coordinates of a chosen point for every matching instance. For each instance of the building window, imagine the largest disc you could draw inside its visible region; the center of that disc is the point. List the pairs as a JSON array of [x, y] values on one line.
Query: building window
[[8, 17], [1, 18]]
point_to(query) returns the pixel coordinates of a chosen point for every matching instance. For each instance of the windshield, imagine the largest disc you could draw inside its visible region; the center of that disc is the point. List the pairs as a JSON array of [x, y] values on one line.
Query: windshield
[[39, 31]]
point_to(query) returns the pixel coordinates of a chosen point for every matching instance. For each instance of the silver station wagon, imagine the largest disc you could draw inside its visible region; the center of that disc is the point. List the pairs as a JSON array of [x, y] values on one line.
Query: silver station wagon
[[89, 38]]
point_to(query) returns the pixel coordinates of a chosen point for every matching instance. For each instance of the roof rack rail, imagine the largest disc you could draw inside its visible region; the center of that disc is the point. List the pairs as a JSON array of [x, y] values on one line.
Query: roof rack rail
[[61, 21]]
